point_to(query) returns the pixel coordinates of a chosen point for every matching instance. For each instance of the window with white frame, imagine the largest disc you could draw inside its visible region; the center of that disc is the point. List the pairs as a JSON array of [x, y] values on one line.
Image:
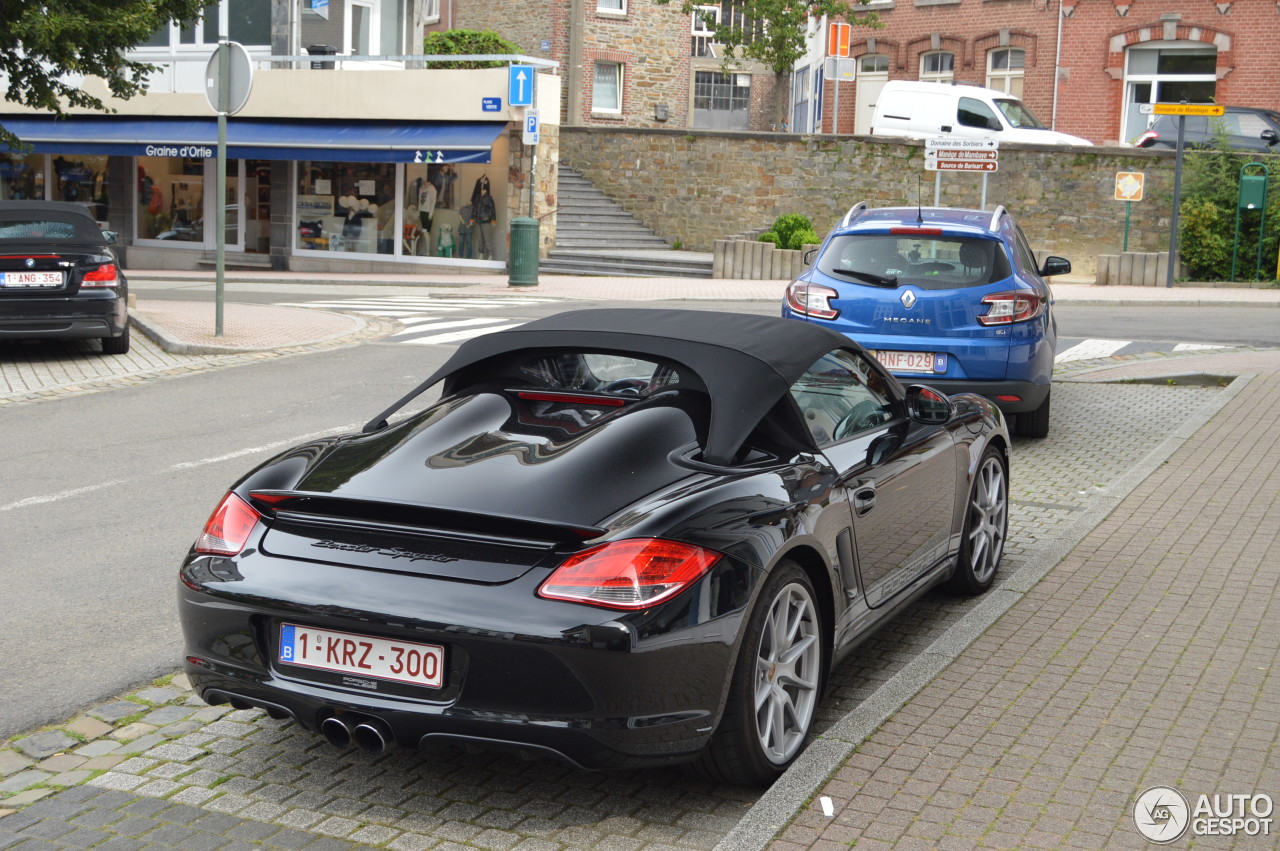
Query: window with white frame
[[245, 21], [1005, 68], [431, 11], [938, 67], [612, 7], [606, 93], [705, 20], [360, 35]]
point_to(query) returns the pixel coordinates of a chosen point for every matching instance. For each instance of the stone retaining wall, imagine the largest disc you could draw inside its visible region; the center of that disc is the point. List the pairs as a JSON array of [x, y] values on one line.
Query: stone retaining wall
[[699, 186]]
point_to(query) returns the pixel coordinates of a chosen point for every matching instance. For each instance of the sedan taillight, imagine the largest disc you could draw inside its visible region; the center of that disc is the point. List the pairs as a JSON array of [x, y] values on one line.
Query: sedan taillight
[[103, 276], [228, 528], [632, 574], [1007, 308], [812, 300]]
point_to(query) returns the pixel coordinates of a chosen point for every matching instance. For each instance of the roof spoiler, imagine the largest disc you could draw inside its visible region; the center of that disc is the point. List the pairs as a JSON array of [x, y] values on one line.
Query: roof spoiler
[[854, 211]]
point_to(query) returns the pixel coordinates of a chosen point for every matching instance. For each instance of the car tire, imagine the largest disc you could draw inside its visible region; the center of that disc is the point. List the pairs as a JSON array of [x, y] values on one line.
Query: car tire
[[116, 345], [986, 527], [1034, 423], [777, 682]]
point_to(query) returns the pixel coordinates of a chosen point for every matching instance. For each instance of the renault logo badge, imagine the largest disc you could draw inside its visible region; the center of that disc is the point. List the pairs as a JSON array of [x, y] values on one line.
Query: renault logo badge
[[908, 299]]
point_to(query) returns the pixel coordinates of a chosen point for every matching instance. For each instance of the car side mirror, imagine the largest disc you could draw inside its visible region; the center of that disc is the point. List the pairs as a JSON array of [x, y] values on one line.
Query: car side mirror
[[111, 237], [993, 123], [1270, 136], [929, 406], [1055, 266]]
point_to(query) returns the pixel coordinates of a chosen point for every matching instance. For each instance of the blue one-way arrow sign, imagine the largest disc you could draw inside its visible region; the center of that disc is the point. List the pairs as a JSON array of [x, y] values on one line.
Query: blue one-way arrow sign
[[520, 85]]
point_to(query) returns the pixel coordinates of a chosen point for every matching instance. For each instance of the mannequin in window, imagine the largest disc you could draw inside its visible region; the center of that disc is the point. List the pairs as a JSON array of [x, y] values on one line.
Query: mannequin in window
[[484, 213]]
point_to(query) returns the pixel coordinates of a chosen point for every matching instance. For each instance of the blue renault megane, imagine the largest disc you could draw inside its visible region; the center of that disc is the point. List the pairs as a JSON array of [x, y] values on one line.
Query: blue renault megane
[[951, 297]]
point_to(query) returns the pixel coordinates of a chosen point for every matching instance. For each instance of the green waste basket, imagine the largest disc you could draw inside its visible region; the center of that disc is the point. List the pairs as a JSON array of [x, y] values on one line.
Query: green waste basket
[[523, 265]]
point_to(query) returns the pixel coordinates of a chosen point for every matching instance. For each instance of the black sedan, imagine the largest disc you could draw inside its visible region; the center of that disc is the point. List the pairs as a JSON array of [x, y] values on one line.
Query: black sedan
[[59, 277], [619, 537]]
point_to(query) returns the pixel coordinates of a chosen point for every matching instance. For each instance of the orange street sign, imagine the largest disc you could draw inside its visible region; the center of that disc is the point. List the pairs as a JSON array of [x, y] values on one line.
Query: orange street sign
[[838, 39], [1188, 109], [1129, 185]]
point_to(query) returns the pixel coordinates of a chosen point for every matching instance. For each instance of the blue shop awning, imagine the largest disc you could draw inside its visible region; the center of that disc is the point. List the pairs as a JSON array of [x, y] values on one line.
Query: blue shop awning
[[248, 138]]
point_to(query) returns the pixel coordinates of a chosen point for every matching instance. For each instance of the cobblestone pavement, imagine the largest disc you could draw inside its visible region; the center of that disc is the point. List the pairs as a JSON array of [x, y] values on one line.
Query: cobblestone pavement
[[157, 769]]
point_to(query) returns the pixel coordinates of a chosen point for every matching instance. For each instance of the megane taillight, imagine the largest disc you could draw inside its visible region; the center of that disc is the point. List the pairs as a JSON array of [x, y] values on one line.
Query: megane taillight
[[812, 300], [1007, 308], [228, 528], [632, 574], [104, 276]]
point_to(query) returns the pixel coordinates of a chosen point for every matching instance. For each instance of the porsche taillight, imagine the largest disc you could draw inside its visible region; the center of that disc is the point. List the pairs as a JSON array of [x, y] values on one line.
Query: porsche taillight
[[1007, 308], [631, 574], [103, 276], [228, 528], [812, 300]]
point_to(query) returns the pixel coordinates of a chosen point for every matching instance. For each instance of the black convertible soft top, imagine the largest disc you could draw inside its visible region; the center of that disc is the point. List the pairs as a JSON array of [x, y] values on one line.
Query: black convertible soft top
[[747, 363]]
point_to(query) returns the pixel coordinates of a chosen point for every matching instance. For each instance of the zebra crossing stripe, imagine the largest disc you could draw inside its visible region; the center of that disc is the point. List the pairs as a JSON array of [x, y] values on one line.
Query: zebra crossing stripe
[[431, 324], [1089, 349], [459, 336]]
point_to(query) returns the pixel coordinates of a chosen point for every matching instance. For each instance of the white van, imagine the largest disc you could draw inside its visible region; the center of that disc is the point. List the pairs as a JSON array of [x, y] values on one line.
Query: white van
[[916, 110]]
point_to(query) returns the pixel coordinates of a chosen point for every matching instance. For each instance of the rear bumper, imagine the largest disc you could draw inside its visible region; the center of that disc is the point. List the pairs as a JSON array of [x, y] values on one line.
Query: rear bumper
[[86, 317], [1031, 395]]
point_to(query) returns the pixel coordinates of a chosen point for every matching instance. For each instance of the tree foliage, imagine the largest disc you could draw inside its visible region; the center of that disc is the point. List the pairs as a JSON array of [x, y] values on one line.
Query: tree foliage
[[775, 32], [464, 43], [43, 40]]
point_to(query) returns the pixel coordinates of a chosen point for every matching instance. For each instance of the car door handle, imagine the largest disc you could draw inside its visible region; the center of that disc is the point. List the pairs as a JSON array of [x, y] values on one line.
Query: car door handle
[[864, 499]]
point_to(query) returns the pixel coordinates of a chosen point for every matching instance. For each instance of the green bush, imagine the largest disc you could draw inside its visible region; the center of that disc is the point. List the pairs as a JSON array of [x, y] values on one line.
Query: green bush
[[1207, 218], [467, 42], [786, 226], [801, 238], [770, 236]]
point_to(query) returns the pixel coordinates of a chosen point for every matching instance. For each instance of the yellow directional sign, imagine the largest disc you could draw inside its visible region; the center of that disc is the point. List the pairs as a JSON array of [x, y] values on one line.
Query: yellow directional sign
[[1188, 109]]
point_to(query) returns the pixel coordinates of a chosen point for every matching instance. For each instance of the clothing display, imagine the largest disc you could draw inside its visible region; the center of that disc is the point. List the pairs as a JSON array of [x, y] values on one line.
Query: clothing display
[[484, 212], [465, 229]]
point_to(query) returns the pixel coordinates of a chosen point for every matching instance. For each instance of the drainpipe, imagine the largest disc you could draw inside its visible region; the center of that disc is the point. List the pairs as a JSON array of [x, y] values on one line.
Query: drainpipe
[[573, 73], [1057, 69]]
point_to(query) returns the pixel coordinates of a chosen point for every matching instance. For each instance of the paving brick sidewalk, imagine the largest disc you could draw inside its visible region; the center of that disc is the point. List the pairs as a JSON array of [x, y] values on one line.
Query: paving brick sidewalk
[[1145, 658]]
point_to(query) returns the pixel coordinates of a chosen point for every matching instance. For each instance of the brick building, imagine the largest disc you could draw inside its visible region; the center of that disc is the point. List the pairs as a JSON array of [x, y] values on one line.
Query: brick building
[[1083, 66], [627, 63]]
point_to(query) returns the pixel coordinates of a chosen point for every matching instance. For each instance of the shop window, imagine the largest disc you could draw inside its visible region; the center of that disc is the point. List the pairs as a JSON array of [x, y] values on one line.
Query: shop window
[[606, 94], [82, 180], [22, 177], [171, 199], [1005, 69], [938, 67], [347, 207]]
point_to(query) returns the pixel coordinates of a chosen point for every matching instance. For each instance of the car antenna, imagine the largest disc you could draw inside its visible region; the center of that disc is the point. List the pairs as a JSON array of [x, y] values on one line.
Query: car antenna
[[919, 192]]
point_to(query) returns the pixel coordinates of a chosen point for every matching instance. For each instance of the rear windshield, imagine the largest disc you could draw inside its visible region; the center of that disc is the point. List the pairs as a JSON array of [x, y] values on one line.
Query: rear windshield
[[588, 372], [929, 262], [49, 228]]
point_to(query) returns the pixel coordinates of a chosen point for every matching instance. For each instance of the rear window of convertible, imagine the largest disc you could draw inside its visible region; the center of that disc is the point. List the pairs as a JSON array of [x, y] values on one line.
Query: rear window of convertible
[[599, 373]]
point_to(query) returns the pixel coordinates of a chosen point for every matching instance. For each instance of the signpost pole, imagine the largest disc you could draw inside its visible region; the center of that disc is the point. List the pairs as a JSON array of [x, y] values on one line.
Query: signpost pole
[[220, 194], [533, 150], [1177, 200]]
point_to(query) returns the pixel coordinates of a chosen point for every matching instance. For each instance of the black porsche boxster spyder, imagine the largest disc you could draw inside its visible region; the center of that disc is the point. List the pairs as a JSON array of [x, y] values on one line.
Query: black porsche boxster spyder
[[620, 537]]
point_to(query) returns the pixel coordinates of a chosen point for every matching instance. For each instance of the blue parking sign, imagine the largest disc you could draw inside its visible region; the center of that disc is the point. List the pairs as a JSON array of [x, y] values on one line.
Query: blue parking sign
[[520, 85]]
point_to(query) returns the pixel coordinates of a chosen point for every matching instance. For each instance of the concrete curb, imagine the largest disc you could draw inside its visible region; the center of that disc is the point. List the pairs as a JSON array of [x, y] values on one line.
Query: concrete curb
[[172, 345], [792, 792]]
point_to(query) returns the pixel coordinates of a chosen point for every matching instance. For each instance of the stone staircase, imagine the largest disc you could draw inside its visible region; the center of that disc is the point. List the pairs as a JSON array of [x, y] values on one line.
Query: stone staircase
[[594, 236]]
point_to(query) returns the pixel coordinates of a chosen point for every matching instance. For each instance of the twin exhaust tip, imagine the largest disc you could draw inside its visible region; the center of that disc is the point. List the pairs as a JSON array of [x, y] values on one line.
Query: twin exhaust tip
[[368, 734]]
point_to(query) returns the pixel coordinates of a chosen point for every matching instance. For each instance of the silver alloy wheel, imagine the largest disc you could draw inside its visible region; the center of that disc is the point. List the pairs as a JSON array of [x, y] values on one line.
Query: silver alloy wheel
[[787, 673], [988, 520]]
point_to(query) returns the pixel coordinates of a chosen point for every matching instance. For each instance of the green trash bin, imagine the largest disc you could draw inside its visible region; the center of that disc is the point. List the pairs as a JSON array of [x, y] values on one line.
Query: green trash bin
[[523, 265]]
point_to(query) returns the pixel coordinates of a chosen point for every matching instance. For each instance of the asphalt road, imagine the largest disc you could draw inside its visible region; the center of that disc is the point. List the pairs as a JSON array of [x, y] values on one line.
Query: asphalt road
[[103, 492]]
